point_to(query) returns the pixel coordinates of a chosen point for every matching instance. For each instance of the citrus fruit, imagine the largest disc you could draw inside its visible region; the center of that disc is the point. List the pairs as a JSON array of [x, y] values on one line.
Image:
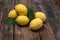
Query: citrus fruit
[[40, 15], [22, 20], [12, 14], [36, 24], [21, 9]]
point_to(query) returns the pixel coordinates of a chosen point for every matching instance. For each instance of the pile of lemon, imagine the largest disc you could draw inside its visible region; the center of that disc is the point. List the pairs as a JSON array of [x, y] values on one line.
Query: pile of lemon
[[20, 13]]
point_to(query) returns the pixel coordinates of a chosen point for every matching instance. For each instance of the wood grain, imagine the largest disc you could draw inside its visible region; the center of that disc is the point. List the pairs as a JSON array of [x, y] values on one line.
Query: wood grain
[[56, 6], [6, 30], [33, 4], [24, 33], [52, 10], [2, 3], [46, 33], [49, 31]]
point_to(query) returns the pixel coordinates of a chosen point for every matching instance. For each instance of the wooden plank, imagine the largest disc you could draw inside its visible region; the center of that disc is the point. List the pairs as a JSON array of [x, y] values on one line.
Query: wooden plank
[[6, 30], [24, 33], [2, 4], [56, 6], [50, 12], [47, 33], [7, 34], [53, 14]]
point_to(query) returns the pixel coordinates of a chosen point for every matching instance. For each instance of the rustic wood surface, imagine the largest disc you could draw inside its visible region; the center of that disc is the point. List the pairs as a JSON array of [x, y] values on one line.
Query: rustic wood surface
[[50, 30]]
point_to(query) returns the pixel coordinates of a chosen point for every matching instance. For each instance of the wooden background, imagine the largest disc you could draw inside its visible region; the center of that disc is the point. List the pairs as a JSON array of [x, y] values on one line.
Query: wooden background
[[50, 30]]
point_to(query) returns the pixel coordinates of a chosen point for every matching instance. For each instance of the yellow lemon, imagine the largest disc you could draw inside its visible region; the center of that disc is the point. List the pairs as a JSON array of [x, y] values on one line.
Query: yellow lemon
[[22, 20], [12, 14], [40, 15], [21, 9], [36, 24]]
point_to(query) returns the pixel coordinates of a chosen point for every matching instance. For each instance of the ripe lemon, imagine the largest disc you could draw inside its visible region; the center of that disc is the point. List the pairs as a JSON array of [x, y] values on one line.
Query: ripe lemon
[[22, 20], [36, 24], [21, 9], [40, 15], [12, 14]]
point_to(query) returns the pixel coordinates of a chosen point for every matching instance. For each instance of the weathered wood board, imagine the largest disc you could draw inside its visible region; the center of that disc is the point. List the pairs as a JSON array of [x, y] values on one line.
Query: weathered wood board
[[50, 30]]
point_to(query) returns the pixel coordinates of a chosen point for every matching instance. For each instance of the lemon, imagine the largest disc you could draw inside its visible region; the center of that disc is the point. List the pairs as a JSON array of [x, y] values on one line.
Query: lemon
[[21, 9], [36, 24], [40, 15], [22, 20], [12, 14]]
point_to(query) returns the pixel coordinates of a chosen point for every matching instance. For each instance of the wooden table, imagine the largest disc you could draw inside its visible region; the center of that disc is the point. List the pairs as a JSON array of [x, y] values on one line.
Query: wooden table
[[50, 30]]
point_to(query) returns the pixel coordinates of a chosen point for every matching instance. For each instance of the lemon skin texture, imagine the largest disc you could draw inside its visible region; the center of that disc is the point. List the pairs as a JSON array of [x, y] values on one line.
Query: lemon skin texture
[[22, 20], [36, 24], [40, 15], [21, 9], [12, 14]]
